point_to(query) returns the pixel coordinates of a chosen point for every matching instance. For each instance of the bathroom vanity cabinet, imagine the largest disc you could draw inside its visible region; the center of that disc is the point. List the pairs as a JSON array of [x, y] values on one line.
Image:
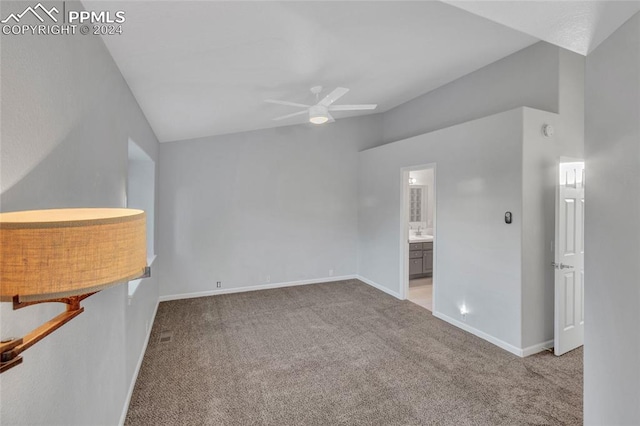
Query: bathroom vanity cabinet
[[420, 260]]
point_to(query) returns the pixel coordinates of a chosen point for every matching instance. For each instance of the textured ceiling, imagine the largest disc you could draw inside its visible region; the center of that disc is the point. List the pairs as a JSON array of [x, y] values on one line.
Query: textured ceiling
[[204, 68], [579, 26], [201, 68]]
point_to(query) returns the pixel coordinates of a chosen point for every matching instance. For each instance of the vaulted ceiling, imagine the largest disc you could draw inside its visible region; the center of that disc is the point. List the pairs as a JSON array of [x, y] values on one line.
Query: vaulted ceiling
[[204, 68], [579, 26]]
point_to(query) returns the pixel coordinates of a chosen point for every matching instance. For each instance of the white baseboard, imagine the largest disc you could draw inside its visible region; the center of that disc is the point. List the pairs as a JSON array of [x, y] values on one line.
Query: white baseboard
[[132, 385], [489, 338], [540, 347], [379, 287], [169, 297]]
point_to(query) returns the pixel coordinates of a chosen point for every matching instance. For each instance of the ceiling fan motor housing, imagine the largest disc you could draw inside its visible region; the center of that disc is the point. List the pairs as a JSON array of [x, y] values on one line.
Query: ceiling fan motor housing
[[318, 114]]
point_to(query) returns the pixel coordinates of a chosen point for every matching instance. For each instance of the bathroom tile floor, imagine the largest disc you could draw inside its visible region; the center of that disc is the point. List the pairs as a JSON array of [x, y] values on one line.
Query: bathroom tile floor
[[421, 292]]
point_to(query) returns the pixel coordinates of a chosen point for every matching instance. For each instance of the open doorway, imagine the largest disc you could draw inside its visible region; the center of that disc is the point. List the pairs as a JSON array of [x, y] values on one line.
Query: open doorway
[[418, 231]]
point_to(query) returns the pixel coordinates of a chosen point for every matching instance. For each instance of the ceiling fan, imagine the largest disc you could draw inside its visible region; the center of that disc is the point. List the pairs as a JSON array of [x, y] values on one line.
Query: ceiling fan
[[319, 113]]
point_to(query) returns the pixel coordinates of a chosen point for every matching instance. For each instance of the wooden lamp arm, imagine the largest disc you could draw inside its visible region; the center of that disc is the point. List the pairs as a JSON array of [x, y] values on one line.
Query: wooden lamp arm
[[11, 349]]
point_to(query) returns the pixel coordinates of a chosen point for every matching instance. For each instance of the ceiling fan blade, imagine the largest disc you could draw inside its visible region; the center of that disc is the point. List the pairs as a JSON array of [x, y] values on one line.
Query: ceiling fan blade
[[352, 107], [333, 96], [273, 101], [290, 115]]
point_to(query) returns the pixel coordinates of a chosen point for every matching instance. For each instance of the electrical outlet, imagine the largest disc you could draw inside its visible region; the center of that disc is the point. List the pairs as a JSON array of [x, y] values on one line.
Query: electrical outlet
[[330, 272], [268, 278], [219, 284]]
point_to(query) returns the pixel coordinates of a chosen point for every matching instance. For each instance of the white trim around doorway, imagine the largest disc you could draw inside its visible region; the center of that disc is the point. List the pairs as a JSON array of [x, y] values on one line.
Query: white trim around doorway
[[404, 230]]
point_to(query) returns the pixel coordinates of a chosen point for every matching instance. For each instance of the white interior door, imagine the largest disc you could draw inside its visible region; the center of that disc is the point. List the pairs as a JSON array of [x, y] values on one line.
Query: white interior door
[[569, 259]]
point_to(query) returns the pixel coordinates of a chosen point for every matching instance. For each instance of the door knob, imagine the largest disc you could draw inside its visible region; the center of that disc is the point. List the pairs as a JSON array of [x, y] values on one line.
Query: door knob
[[561, 266]]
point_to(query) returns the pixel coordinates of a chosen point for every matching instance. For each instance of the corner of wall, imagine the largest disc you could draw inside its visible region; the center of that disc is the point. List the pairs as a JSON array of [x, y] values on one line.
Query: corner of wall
[[571, 107], [612, 231], [539, 156]]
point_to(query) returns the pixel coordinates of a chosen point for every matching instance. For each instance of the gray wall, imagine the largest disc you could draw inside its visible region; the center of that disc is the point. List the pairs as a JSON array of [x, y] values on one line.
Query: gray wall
[[483, 168], [225, 196], [541, 76], [529, 78], [278, 203], [477, 256], [67, 114], [570, 130], [539, 175], [247, 182], [612, 230], [236, 208]]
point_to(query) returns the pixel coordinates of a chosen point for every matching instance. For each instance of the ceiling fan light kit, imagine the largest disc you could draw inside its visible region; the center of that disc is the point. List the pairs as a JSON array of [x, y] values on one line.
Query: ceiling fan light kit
[[320, 112]]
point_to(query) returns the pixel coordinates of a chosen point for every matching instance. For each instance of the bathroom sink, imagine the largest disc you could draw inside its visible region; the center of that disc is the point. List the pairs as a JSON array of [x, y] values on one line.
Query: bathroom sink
[[420, 238]]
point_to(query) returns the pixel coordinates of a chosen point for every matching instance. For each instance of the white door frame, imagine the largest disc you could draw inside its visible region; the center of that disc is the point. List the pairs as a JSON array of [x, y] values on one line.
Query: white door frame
[[404, 229]]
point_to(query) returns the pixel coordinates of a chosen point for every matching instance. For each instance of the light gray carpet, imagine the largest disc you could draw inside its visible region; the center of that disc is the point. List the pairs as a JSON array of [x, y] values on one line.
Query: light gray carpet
[[339, 353]]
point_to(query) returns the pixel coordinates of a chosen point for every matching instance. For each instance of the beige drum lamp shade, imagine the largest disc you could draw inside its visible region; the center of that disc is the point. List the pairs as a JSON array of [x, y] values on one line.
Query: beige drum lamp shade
[[49, 254]]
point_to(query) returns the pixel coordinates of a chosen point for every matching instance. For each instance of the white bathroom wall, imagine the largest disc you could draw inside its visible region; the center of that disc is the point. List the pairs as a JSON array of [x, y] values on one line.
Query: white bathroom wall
[[477, 256], [67, 114], [612, 230], [261, 208]]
